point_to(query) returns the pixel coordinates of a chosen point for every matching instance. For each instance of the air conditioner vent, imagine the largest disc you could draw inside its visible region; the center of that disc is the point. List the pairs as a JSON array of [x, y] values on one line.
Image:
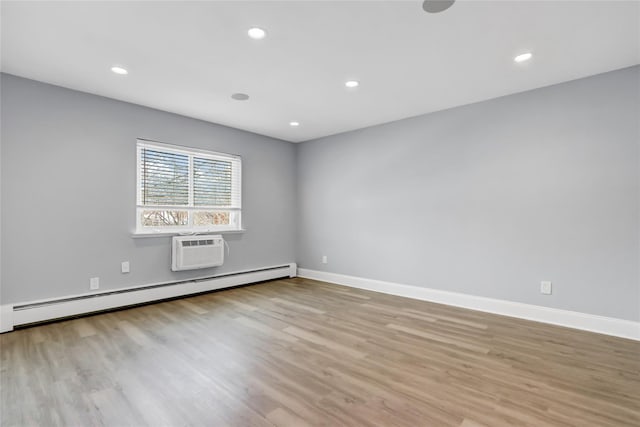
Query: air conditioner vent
[[192, 252], [208, 242]]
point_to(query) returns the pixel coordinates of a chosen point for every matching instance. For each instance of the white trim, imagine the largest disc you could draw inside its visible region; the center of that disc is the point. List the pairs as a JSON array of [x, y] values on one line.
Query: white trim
[[293, 270], [6, 318], [571, 319], [184, 149], [56, 308], [135, 235]]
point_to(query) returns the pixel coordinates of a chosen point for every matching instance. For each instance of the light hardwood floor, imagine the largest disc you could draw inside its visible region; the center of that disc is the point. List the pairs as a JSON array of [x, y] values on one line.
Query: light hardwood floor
[[299, 352]]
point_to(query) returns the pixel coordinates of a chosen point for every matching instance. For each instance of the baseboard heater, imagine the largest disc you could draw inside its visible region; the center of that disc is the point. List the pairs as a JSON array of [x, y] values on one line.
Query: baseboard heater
[[53, 309]]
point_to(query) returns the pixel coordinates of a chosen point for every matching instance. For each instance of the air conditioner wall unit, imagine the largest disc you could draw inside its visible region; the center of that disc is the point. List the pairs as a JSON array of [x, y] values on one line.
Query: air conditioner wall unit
[[199, 251]]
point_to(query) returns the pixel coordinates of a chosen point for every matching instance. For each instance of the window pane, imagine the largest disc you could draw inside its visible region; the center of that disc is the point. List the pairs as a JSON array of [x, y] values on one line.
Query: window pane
[[181, 188], [210, 218], [165, 178], [163, 218], [211, 182]]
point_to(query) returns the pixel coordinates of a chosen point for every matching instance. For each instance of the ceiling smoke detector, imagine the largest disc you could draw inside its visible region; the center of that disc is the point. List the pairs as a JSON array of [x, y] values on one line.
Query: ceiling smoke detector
[[240, 96], [437, 6]]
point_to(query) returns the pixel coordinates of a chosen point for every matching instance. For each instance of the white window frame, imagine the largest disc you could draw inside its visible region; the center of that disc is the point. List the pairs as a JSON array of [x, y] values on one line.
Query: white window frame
[[235, 212]]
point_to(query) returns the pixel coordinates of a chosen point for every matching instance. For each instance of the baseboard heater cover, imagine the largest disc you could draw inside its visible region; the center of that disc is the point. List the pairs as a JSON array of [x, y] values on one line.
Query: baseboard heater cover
[[41, 311]]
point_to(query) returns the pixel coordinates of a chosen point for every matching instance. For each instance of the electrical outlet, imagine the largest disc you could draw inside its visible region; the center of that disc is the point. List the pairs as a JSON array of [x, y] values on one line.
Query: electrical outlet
[[324, 259], [125, 267], [94, 283], [545, 288]]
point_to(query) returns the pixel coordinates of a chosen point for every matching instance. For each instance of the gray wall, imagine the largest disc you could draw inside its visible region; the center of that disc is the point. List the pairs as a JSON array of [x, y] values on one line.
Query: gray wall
[[488, 199], [68, 192]]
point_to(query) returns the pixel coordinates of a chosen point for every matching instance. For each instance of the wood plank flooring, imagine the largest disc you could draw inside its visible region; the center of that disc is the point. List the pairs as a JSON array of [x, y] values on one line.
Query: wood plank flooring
[[300, 353]]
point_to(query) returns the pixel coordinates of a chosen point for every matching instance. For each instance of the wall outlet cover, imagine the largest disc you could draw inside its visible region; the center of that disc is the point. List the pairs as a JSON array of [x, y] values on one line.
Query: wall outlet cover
[[545, 287], [94, 283]]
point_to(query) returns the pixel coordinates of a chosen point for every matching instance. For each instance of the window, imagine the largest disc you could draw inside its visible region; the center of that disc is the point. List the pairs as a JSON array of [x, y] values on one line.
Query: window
[[182, 189]]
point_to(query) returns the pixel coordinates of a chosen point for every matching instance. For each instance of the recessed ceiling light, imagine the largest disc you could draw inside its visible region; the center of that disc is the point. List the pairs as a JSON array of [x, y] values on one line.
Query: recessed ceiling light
[[119, 70], [294, 124], [256, 33], [240, 96], [523, 57], [352, 83]]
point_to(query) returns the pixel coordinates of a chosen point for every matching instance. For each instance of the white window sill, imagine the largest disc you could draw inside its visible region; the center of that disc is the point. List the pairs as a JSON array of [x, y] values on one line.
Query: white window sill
[[178, 233]]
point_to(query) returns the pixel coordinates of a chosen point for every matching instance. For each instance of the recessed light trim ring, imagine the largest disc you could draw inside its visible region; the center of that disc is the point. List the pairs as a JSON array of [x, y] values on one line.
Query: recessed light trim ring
[[523, 57], [256, 33], [119, 70]]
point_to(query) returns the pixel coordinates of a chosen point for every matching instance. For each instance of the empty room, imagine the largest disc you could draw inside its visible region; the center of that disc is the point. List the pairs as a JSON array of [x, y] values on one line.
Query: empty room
[[320, 213]]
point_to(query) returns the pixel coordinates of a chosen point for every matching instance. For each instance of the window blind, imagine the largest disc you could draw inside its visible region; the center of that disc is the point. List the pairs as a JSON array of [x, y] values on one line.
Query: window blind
[[213, 183], [165, 178]]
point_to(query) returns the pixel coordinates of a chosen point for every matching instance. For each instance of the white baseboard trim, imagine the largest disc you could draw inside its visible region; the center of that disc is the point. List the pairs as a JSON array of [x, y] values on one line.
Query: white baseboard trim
[[570, 319], [17, 314]]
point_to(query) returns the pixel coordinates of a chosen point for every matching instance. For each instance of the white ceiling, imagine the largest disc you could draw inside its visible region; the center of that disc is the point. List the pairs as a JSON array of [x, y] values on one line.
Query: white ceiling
[[189, 57]]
